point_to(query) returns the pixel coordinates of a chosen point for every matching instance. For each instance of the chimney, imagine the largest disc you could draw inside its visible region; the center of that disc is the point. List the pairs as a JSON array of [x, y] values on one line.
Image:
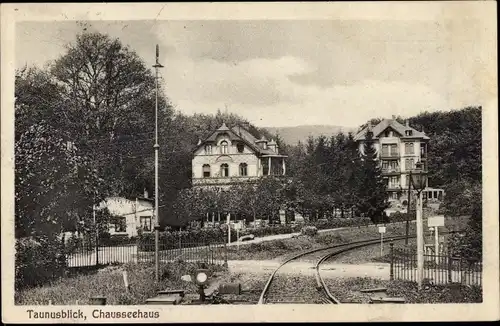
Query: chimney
[[393, 117], [146, 195], [407, 122]]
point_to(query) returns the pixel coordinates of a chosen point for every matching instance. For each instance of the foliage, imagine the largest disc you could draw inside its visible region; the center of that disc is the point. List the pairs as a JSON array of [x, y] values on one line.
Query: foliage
[[176, 239], [455, 151], [309, 231], [55, 185], [109, 284], [38, 261], [372, 192], [402, 217]]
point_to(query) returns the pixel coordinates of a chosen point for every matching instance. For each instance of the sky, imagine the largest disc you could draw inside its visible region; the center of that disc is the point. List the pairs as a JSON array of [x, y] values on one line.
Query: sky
[[279, 73]]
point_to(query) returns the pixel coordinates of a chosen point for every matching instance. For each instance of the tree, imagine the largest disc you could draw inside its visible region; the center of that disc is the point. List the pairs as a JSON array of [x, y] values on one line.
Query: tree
[[372, 188], [55, 185], [109, 106]]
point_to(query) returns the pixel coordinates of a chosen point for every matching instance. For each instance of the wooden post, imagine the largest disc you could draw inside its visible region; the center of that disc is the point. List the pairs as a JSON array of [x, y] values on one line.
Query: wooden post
[[436, 244], [450, 266], [392, 261], [125, 281]]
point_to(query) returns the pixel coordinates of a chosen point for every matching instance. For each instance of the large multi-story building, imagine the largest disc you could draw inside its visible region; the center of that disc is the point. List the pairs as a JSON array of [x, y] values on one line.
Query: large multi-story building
[[233, 155], [399, 147]]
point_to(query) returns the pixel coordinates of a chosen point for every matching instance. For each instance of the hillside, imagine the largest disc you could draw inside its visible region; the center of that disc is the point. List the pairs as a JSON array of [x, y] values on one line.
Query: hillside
[[291, 135]]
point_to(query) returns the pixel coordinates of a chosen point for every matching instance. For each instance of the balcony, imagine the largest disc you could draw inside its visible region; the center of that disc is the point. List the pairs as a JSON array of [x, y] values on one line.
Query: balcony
[[391, 171], [222, 180], [387, 155], [394, 187]]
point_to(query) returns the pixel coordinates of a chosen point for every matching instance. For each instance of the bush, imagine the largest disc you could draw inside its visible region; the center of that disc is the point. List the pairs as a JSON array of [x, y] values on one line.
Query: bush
[[172, 240], [309, 231], [340, 222], [401, 217], [38, 261]]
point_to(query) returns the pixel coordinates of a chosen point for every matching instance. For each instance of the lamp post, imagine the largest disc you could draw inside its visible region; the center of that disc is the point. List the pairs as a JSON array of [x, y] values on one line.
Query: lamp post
[[156, 148], [419, 180]]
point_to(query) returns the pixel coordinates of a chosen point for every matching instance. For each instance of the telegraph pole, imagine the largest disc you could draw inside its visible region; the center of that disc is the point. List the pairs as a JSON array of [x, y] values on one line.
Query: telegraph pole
[[156, 148]]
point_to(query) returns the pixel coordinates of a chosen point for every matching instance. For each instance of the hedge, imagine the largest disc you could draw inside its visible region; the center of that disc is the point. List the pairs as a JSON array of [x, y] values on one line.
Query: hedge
[[402, 217], [172, 240], [38, 261]]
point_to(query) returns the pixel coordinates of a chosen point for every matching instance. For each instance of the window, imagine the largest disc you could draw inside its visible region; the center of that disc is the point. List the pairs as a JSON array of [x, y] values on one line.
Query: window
[[407, 181], [394, 150], [408, 132], [409, 148], [385, 165], [223, 147], [393, 195], [385, 150], [393, 182], [243, 169], [240, 147], [224, 170], [121, 224], [145, 223], [208, 149], [409, 164], [206, 171]]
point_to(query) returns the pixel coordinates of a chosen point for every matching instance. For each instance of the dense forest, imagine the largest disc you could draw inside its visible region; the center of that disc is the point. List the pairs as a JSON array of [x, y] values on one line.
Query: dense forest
[[84, 130]]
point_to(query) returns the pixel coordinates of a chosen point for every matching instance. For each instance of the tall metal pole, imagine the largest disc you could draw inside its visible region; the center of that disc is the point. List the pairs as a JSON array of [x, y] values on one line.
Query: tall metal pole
[[156, 148], [408, 211], [420, 241]]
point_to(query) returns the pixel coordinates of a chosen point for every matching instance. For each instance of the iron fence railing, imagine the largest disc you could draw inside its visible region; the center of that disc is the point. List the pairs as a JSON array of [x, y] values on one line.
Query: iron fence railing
[[144, 252], [442, 268]]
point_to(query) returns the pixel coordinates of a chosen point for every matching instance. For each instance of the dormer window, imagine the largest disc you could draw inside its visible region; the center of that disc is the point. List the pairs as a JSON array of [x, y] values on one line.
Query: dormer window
[[408, 133], [240, 147], [208, 149], [223, 147]]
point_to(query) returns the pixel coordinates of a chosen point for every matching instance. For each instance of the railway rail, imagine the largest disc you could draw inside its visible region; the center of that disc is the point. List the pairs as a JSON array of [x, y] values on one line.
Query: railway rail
[[322, 291]]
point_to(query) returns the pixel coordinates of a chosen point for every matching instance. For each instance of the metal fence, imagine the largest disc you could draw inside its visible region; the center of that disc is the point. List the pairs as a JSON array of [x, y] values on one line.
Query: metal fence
[[439, 269], [143, 251]]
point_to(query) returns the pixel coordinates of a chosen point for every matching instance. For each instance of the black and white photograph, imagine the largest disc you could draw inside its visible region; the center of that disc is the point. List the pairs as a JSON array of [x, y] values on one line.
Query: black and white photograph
[[328, 162]]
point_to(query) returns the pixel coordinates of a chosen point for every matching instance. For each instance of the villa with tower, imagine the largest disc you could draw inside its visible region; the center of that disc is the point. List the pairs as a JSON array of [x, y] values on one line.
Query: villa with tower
[[233, 155]]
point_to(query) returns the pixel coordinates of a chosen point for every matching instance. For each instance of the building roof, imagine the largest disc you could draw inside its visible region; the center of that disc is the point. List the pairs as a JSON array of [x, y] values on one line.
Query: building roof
[[240, 133], [391, 123]]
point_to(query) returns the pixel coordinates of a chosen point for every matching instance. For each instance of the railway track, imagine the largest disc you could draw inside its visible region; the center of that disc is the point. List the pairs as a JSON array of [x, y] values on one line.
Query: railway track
[[317, 292]]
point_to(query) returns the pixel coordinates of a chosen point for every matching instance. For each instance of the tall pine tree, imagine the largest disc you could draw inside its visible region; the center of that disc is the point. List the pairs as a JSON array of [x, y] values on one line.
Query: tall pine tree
[[372, 188]]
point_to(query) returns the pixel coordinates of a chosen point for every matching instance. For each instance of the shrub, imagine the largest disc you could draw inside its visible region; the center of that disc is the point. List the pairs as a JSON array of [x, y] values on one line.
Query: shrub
[[340, 222], [172, 240], [309, 231], [402, 217], [38, 261]]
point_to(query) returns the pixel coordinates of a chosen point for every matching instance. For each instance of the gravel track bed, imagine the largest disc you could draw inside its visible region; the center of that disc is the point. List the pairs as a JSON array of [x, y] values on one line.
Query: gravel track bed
[[294, 289]]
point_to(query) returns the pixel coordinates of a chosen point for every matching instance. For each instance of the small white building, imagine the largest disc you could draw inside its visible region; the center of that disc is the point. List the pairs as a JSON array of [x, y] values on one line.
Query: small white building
[[132, 214]]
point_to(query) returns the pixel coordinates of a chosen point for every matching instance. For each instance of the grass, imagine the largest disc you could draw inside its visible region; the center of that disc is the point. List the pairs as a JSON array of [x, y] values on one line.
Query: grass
[[280, 249], [347, 290], [108, 283]]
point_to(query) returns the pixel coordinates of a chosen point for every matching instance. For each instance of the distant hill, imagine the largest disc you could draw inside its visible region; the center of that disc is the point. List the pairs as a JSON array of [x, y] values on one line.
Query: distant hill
[[291, 135]]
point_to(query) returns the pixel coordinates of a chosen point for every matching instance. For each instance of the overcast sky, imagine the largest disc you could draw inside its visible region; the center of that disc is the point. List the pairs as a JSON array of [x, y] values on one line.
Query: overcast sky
[[287, 73]]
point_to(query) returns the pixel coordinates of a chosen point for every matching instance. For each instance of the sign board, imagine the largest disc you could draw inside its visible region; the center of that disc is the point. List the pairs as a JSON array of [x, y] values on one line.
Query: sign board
[[381, 229], [435, 221]]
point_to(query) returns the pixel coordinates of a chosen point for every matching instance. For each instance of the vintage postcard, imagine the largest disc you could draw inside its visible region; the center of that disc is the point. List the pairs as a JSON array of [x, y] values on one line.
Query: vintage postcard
[[249, 162]]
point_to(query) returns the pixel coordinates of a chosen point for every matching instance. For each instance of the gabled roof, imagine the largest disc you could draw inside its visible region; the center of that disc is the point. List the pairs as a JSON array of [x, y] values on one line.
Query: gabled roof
[[237, 133], [391, 123]]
